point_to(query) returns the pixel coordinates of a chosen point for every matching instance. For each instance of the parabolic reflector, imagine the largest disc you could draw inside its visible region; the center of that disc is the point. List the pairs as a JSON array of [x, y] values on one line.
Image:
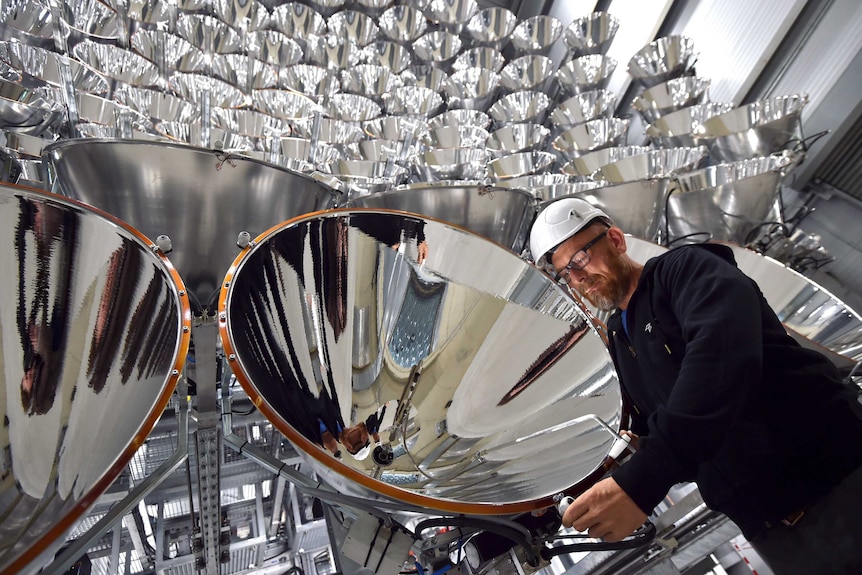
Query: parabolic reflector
[[489, 389], [93, 333]]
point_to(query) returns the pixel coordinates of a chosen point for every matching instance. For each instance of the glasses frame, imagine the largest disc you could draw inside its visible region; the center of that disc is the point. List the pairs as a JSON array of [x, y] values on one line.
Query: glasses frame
[[562, 276]]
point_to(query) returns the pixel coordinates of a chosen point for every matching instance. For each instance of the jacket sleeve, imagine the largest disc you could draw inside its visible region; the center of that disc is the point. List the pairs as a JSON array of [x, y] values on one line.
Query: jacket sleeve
[[718, 311]]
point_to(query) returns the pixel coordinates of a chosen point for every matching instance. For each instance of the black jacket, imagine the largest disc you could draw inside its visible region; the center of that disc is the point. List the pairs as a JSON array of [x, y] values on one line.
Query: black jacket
[[722, 396]]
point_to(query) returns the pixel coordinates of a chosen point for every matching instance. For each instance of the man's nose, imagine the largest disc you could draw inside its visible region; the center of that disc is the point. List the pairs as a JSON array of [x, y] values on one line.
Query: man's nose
[[577, 276]]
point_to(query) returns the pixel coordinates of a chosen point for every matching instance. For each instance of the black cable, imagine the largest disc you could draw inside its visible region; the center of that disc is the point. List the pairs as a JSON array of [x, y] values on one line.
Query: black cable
[[373, 541], [644, 535], [751, 235], [385, 549], [464, 521], [691, 235]]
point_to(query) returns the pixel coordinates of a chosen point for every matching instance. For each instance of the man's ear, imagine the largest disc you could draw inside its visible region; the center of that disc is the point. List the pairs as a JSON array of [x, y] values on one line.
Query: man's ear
[[618, 238]]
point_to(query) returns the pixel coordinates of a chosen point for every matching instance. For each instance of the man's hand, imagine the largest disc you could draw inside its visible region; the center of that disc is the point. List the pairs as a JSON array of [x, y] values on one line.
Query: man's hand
[[605, 511]]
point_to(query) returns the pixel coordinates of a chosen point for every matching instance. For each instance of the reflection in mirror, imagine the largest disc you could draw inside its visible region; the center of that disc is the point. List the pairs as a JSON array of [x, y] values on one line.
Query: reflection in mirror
[[416, 360]]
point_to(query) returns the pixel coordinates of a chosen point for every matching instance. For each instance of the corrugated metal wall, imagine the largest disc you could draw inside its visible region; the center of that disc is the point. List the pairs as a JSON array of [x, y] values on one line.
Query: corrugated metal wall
[[842, 169]]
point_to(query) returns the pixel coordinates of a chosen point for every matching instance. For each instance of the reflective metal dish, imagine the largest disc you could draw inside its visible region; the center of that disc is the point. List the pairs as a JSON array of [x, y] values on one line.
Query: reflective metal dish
[[472, 88], [209, 33], [316, 82], [548, 186], [438, 46], [586, 73], [284, 104], [506, 405], [192, 86], [758, 129], [157, 105], [149, 12], [303, 150], [97, 110], [676, 128], [249, 123], [222, 198], [520, 107], [450, 164], [531, 72], [652, 164], [454, 137], [480, 57], [370, 80], [584, 107], [352, 108], [121, 65], [726, 200], [517, 138], [33, 112], [412, 101], [332, 51], [663, 59], [234, 69], [245, 15], [592, 135], [585, 164], [45, 66], [274, 48], [376, 150], [94, 19], [327, 7], [400, 128], [362, 177], [374, 7], [328, 130], [475, 118], [297, 21], [520, 164], [425, 76], [499, 214], [355, 26], [389, 54], [103, 131], [536, 34], [591, 34], [220, 140], [451, 15], [637, 207], [670, 96], [29, 21], [80, 354], [169, 50], [403, 24], [492, 26]]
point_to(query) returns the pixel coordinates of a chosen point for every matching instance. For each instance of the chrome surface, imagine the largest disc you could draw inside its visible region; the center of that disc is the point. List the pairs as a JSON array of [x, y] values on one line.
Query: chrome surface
[[362, 177], [121, 65], [93, 18], [43, 65], [375, 150], [355, 26], [30, 21], [637, 207], [315, 82], [328, 130], [726, 200], [676, 128], [758, 129], [670, 96], [179, 54], [34, 112], [157, 105], [297, 21], [400, 128], [547, 186], [517, 138], [374, 7], [234, 69], [492, 26], [591, 34], [480, 57], [475, 118], [652, 164], [242, 14], [592, 135], [412, 101], [92, 326], [531, 72], [402, 23], [302, 149], [586, 164], [98, 110], [454, 137], [327, 7], [451, 15], [437, 46], [499, 420], [150, 12], [425, 76], [663, 59], [370, 80], [284, 104], [209, 33], [332, 51], [222, 194], [499, 214], [520, 107], [584, 107], [191, 87], [219, 138], [519, 164], [248, 122], [554, 192], [450, 164], [472, 88], [275, 48], [352, 108], [536, 34], [389, 54], [585, 73]]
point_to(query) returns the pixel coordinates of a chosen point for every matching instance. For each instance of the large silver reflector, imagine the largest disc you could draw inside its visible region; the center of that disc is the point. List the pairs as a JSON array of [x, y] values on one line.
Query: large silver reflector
[[498, 389], [201, 199], [94, 328]]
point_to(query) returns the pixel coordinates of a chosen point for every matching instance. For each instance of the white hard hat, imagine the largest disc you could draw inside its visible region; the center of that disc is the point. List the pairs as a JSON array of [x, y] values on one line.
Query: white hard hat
[[558, 222]]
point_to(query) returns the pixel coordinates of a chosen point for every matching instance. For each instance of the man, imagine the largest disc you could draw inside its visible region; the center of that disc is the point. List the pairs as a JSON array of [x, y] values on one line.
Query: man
[[719, 395]]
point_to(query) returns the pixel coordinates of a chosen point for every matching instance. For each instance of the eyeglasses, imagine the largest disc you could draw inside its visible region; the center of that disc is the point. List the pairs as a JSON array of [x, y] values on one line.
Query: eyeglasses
[[579, 261]]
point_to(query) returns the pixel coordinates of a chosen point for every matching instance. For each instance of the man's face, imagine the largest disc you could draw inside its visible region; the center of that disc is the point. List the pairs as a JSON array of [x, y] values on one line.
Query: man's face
[[605, 279]]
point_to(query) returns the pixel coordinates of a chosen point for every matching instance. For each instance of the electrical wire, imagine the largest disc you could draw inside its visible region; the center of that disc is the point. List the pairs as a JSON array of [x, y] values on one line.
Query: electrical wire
[[643, 536], [504, 530]]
